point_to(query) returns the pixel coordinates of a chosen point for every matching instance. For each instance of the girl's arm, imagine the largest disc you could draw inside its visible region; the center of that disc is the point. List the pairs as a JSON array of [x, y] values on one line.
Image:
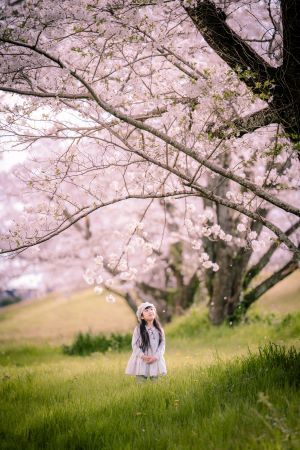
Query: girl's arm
[[161, 348], [135, 343]]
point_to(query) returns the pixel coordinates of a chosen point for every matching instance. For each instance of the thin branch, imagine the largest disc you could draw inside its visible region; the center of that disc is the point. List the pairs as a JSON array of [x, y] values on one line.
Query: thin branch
[[262, 288], [256, 269], [46, 94], [164, 137]]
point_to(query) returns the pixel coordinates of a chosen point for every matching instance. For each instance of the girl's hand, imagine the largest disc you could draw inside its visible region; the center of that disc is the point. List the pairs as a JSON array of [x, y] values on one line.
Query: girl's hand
[[151, 359]]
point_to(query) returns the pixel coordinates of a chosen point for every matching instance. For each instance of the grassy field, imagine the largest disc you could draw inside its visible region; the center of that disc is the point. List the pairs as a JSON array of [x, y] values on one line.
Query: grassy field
[[57, 318], [220, 392]]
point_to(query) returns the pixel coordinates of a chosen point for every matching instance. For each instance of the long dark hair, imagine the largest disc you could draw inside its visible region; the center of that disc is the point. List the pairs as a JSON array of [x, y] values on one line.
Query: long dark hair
[[145, 344]]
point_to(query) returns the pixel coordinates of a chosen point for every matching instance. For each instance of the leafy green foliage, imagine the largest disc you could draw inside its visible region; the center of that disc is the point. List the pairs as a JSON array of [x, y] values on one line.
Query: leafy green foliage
[[87, 343]]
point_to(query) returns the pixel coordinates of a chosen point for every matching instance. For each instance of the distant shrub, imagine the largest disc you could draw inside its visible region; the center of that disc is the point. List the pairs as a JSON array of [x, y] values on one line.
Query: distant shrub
[[289, 327], [190, 325], [87, 343], [267, 319], [6, 301]]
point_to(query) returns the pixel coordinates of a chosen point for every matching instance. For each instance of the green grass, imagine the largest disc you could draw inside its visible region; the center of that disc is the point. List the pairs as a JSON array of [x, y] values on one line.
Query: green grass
[[220, 392], [249, 403]]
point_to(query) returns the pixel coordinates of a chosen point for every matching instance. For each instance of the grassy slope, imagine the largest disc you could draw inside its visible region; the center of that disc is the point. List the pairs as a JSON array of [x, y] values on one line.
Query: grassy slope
[[56, 319]]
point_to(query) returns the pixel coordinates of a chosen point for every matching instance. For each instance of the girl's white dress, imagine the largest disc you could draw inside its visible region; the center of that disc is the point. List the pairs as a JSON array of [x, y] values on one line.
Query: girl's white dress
[[136, 365]]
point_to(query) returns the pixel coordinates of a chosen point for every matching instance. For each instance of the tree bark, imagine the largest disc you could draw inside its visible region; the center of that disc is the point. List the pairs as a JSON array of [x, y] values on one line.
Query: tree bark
[[284, 99]]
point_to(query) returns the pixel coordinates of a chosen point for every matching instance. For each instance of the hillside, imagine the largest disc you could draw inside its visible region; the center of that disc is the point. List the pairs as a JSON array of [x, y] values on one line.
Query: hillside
[[56, 319]]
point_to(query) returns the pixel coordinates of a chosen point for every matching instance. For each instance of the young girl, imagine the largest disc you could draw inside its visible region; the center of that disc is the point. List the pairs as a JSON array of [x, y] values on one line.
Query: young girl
[[148, 345]]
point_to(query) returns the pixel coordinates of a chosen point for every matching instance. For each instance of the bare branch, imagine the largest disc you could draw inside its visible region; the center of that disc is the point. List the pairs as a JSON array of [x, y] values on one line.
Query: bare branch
[[46, 94]]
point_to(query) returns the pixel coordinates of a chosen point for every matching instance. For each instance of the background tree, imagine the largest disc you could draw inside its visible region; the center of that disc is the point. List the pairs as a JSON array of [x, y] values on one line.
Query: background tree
[[134, 94]]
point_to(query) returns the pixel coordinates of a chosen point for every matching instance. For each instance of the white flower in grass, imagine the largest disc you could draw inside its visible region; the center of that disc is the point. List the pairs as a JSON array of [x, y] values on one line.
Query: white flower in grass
[[241, 227], [207, 264], [110, 298], [228, 238], [98, 289]]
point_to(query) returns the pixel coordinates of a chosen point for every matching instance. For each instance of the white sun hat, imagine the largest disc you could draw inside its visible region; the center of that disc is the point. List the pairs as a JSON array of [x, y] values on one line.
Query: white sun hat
[[142, 308]]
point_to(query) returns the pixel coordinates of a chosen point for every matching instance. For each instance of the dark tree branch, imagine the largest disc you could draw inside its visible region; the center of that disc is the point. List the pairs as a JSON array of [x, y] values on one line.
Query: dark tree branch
[[46, 94], [287, 91], [243, 125], [256, 269], [211, 22], [262, 288]]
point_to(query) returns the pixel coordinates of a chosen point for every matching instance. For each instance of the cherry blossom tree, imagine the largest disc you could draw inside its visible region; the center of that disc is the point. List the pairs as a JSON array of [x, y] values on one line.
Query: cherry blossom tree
[[195, 103]]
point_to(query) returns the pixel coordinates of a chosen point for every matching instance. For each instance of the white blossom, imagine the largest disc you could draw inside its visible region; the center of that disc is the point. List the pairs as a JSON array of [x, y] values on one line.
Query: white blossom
[[206, 232], [255, 245], [151, 261], [99, 260], [98, 289], [148, 249], [109, 282], [252, 235], [196, 245], [207, 264], [110, 298], [88, 280], [241, 227], [191, 208], [215, 267], [215, 229], [99, 279]]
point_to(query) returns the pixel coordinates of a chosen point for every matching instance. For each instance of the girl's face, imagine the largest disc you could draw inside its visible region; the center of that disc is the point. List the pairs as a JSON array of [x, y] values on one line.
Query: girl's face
[[148, 313]]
